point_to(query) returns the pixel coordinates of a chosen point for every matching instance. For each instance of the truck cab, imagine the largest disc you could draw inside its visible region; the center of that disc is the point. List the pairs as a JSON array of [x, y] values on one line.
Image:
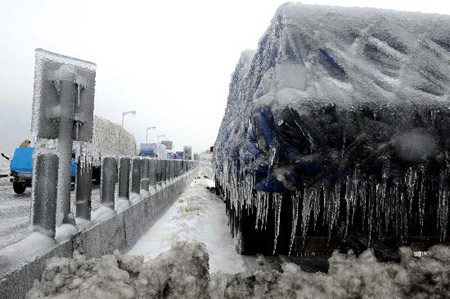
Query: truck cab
[[22, 168]]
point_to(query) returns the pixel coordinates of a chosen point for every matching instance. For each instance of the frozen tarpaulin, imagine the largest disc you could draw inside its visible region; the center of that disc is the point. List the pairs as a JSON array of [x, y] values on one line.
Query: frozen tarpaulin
[[342, 115]]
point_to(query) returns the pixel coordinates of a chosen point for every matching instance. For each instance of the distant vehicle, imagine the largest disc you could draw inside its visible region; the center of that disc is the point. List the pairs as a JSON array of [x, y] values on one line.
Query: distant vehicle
[[180, 155], [187, 153], [22, 168], [168, 144], [155, 150]]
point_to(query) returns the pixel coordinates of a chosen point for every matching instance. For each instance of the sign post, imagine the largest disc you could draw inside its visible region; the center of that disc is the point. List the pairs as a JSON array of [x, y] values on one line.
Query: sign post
[[63, 107]]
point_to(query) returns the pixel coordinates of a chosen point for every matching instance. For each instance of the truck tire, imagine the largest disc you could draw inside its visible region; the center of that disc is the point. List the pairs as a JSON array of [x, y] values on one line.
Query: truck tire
[[19, 188]]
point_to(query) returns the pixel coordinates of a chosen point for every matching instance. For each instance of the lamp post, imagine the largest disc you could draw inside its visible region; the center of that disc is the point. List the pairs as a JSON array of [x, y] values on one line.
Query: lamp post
[[161, 136], [133, 112], [146, 133]]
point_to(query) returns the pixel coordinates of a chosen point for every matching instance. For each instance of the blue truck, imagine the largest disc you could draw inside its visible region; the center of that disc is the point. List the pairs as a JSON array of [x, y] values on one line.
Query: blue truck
[[21, 167]]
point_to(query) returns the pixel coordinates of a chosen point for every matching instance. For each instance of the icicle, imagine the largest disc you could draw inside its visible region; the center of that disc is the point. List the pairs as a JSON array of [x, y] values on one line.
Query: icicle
[[295, 208], [277, 212], [309, 196], [421, 199], [442, 212]]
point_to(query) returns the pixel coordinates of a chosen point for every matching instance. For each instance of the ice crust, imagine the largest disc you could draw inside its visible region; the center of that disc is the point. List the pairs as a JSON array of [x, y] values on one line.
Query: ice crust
[[343, 112], [182, 272], [110, 139]]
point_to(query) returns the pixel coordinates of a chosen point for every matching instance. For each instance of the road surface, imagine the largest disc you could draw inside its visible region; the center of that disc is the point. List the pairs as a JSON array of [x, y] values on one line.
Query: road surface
[[15, 212]]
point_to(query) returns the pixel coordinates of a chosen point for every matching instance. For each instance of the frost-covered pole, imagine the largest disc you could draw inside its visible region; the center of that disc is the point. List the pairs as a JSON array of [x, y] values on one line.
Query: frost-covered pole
[[136, 175], [109, 172], [83, 190], [144, 174], [124, 177], [166, 170], [44, 193], [158, 171], [172, 169], [65, 142], [152, 172]]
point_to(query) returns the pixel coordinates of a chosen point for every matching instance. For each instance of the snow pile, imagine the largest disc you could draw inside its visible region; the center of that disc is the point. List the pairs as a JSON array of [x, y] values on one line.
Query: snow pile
[[182, 272], [335, 106], [101, 214], [116, 276]]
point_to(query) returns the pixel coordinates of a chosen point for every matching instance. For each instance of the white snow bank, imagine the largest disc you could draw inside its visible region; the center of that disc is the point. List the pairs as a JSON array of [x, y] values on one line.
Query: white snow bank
[[26, 249], [115, 276], [182, 272], [102, 213], [135, 197], [64, 232], [122, 204]]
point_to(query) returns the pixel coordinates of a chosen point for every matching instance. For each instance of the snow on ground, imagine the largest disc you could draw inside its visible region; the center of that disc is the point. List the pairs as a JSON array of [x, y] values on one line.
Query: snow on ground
[[198, 215], [183, 272], [4, 169]]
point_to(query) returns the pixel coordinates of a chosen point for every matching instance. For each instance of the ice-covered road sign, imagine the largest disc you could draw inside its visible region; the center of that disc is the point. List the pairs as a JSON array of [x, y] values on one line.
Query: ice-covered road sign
[[63, 108], [50, 69]]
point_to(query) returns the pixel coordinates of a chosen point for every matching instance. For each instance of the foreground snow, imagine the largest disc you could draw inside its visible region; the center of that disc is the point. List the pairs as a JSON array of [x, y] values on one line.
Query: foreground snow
[[183, 272]]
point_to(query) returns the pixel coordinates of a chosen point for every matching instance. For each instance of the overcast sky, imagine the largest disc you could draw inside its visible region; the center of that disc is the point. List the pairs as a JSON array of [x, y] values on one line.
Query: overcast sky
[[171, 61]]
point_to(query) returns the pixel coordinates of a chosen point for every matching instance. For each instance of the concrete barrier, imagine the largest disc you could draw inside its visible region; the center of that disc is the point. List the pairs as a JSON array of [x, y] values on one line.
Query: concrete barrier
[[119, 232]]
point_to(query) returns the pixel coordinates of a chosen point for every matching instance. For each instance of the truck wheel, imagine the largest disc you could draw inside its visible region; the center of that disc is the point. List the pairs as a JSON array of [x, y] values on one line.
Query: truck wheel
[[19, 188]]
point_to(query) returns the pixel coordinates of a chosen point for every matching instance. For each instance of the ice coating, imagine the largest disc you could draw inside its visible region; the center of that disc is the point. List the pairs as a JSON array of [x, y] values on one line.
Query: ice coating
[[182, 272], [50, 70], [345, 109], [111, 139]]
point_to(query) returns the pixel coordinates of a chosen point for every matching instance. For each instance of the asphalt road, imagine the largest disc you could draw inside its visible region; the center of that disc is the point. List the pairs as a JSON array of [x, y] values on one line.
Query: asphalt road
[[15, 213]]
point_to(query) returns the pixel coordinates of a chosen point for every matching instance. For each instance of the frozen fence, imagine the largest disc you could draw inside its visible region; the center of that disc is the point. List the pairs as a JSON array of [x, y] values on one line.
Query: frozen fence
[[128, 172], [124, 215]]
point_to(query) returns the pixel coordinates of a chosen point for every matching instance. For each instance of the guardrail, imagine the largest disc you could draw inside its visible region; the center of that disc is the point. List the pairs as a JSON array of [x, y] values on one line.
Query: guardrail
[[145, 189], [139, 173]]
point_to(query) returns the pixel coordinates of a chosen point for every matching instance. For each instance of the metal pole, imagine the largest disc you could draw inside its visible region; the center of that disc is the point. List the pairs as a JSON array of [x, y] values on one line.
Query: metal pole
[[144, 174], [83, 190], [136, 175], [152, 172], [109, 172], [124, 177], [65, 142], [44, 193]]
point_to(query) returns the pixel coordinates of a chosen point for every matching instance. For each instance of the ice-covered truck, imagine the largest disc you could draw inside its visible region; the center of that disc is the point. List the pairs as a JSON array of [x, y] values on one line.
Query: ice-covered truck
[[336, 132], [155, 150]]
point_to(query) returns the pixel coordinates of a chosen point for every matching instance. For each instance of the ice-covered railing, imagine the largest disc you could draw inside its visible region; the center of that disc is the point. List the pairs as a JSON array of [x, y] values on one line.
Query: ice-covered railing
[[135, 177], [342, 113]]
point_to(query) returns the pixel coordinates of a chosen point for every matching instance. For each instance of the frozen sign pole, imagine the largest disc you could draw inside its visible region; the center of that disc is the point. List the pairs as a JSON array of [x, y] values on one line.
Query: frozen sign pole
[[63, 106]]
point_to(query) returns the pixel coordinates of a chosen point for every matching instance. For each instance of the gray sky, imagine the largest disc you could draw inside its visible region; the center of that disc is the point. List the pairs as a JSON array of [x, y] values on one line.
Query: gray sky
[[169, 60]]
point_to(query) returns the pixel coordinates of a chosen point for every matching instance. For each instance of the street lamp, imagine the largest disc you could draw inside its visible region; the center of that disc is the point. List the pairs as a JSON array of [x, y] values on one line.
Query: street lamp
[[146, 133], [161, 136], [133, 112]]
